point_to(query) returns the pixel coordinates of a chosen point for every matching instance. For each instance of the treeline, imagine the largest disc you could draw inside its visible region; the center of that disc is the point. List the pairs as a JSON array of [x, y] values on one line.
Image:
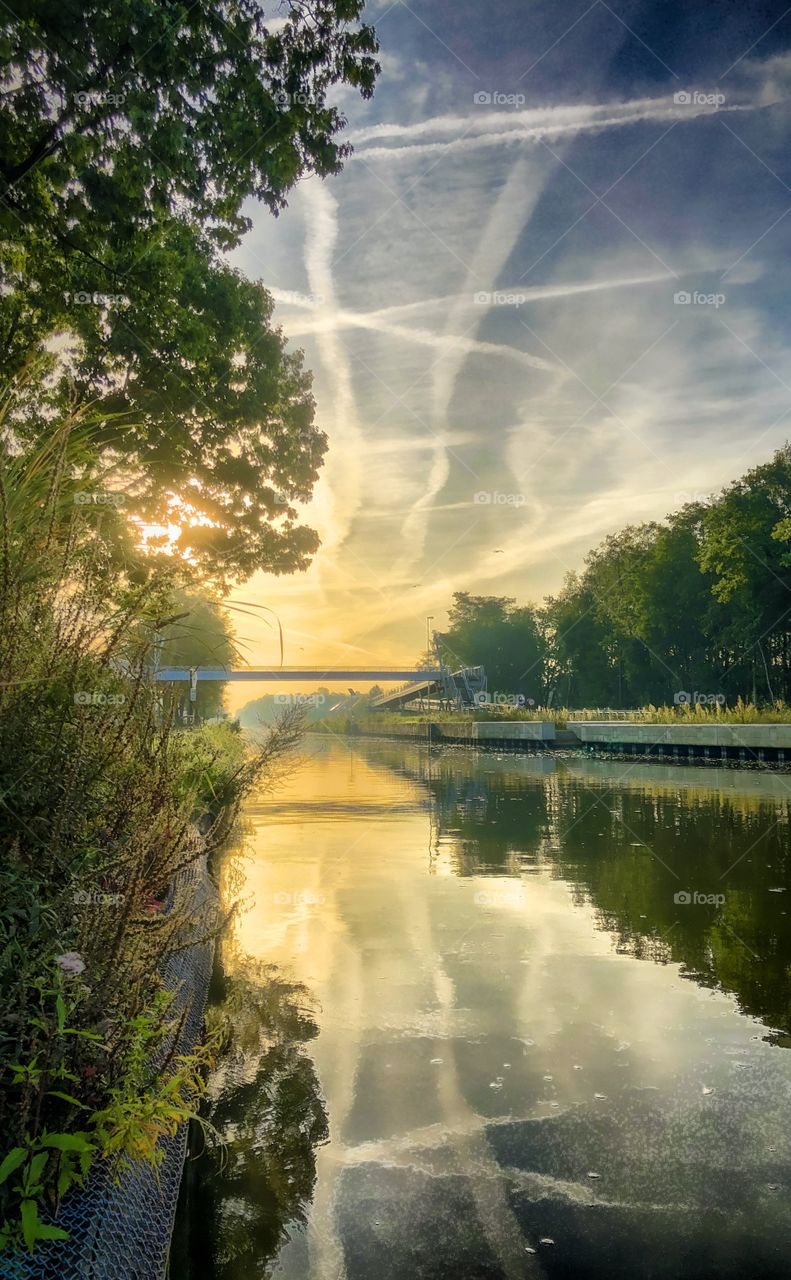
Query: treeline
[[699, 602]]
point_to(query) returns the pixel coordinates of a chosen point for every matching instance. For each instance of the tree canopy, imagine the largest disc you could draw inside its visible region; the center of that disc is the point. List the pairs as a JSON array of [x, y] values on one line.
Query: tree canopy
[[127, 157], [699, 602]]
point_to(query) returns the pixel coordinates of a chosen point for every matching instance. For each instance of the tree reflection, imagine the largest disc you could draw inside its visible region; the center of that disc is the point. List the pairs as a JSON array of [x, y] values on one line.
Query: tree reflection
[[242, 1201], [629, 850]]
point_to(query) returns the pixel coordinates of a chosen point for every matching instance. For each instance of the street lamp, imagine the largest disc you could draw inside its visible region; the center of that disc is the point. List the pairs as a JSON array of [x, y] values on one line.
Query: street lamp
[[429, 620]]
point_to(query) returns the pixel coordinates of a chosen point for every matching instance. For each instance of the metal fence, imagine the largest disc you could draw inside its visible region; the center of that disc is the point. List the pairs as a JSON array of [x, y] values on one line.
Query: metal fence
[[120, 1225]]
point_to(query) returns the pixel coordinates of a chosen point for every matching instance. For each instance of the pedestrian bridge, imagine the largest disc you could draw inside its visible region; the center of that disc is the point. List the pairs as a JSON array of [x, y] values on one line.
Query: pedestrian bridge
[[458, 687], [299, 673]]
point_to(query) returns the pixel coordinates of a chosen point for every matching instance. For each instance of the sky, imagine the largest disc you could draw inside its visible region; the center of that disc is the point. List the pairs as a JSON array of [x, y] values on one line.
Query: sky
[[547, 297]]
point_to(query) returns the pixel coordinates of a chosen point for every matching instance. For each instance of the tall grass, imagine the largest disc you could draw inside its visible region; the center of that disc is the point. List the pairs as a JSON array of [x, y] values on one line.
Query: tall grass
[[100, 797]]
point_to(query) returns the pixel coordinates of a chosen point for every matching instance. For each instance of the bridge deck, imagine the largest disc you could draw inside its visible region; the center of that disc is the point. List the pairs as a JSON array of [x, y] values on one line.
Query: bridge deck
[[275, 674]]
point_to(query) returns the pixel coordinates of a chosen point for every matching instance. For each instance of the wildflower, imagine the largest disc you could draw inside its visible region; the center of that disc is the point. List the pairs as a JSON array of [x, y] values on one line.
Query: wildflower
[[71, 962]]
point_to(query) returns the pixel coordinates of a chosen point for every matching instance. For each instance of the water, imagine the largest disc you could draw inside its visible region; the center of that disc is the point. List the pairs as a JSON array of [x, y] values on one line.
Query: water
[[479, 1034]]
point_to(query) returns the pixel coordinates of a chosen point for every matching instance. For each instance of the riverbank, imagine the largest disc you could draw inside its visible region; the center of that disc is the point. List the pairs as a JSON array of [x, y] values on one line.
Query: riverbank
[[739, 744], [505, 999]]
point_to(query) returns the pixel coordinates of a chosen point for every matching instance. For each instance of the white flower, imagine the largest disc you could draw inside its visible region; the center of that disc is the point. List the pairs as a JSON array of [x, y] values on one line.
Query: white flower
[[71, 962]]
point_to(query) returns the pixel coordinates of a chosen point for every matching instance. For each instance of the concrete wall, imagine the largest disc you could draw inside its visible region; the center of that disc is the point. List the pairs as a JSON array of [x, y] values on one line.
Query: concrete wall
[[516, 731], [752, 737]]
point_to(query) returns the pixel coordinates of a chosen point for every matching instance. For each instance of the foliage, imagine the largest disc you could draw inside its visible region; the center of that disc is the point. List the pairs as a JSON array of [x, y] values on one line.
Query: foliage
[[200, 634], [700, 602], [100, 800], [127, 157], [492, 631]]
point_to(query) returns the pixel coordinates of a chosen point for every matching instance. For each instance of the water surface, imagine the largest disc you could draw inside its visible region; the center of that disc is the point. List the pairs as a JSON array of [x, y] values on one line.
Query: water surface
[[484, 1028]]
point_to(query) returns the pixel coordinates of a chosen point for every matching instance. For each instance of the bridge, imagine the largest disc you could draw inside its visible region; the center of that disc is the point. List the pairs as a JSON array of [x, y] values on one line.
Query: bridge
[[298, 673], [458, 687]]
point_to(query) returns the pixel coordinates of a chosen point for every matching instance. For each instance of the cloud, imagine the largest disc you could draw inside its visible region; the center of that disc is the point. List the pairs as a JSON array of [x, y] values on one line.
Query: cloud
[[466, 133]]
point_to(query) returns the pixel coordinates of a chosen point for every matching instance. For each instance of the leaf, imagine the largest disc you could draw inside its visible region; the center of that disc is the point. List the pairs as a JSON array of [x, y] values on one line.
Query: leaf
[[60, 1009], [45, 1232], [15, 1157], [66, 1141], [75, 1102], [37, 1167], [30, 1223]]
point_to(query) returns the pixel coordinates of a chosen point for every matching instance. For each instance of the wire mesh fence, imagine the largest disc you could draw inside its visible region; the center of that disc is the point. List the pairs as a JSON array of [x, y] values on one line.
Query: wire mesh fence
[[120, 1225]]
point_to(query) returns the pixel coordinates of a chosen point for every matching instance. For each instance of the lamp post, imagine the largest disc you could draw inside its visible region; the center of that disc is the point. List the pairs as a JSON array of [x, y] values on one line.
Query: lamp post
[[429, 620]]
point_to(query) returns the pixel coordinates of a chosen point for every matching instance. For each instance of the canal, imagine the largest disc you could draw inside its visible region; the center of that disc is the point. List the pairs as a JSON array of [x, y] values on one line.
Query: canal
[[501, 1016]]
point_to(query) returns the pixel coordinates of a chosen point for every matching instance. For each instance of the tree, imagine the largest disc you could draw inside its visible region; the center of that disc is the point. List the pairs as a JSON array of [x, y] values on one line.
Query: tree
[[202, 638], [745, 547], [127, 157], [493, 632]]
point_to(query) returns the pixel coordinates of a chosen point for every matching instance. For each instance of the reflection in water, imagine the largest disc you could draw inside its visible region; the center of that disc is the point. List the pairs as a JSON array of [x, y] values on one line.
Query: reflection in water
[[240, 1203], [537, 1057], [632, 849]]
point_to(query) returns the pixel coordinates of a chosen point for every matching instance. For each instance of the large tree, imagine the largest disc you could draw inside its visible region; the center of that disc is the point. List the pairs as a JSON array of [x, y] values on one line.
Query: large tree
[[127, 155], [506, 639]]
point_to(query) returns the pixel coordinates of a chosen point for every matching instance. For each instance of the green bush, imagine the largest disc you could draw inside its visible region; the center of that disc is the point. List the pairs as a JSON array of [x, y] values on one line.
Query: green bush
[[100, 794]]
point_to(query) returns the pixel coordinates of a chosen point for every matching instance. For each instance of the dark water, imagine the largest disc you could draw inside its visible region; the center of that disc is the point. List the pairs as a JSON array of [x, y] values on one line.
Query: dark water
[[478, 1034]]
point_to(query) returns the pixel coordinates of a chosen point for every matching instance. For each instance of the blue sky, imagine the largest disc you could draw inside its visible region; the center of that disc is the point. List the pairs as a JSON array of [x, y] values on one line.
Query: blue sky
[[489, 299]]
